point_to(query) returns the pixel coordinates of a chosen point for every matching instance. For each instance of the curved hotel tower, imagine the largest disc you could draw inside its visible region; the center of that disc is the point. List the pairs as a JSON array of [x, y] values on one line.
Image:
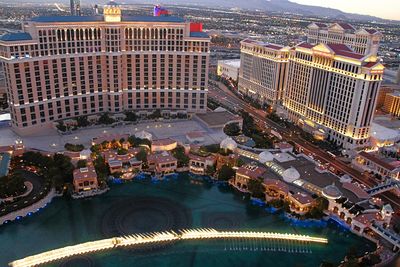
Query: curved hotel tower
[[64, 67]]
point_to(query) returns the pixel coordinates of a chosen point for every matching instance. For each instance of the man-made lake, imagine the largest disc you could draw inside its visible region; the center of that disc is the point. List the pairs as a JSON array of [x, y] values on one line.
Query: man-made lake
[[177, 203]]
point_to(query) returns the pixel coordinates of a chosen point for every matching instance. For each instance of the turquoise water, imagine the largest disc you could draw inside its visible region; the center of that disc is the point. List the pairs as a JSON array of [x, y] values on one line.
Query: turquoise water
[[4, 162], [180, 202]]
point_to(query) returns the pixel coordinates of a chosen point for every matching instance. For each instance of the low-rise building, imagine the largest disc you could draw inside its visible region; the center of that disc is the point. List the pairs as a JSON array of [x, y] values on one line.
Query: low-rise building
[[195, 137], [373, 163], [231, 160], [162, 163], [300, 202], [85, 179], [166, 144], [229, 69], [120, 163], [246, 173], [198, 165], [275, 189]]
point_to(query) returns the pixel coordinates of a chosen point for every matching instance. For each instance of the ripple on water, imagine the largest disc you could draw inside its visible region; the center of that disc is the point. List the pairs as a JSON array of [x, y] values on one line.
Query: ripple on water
[[79, 261], [144, 214]]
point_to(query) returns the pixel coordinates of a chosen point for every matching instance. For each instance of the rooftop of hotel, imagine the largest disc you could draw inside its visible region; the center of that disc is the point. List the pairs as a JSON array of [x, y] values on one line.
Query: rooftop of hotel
[[345, 26], [263, 44], [100, 18], [15, 36]]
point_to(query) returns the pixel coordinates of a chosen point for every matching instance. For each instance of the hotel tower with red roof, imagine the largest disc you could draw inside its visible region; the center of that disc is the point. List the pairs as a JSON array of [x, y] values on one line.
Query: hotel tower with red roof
[[68, 66]]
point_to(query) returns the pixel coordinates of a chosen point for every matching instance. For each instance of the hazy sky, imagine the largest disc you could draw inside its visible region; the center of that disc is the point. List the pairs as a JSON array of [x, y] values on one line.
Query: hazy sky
[[388, 9]]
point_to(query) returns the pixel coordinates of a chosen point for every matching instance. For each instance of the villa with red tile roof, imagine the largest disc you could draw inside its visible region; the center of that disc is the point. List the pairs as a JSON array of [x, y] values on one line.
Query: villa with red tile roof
[[85, 179]]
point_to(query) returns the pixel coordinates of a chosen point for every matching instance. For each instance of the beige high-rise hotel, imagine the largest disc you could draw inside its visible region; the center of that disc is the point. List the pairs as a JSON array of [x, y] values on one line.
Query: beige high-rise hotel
[[263, 70], [65, 67], [331, 91]]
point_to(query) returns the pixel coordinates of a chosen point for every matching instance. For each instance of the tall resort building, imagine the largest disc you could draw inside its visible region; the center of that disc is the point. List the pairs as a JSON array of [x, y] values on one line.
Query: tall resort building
[[63, 67], [362, 41], [331, 91], [262, 71]]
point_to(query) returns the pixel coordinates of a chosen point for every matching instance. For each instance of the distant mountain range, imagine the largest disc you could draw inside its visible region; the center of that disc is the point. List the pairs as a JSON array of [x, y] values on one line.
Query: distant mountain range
[[269, 5], [280, 6]]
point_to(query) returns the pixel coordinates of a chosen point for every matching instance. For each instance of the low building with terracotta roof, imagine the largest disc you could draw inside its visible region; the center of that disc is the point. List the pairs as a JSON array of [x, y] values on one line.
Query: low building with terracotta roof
[[199, 164], [85, 179], [246, 173], [275, 189], [162, 163], [166, 144], [300, 202]]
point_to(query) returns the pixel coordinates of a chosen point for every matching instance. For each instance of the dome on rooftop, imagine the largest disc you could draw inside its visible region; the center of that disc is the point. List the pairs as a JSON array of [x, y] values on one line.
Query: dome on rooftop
[[331, 192], [290, 175], [144, 135], [228, 143], [265, 156]]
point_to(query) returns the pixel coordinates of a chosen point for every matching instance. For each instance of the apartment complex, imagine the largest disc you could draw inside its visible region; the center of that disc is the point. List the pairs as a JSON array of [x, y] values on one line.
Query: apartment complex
[[331, 91], [362, 41], [263, 70], [64, 67]]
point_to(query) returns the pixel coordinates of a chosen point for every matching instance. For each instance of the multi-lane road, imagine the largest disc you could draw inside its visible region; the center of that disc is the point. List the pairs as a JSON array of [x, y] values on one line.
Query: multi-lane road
[[222, 94]]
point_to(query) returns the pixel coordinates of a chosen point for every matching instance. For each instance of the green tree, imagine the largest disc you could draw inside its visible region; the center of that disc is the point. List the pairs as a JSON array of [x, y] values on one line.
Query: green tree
[[105, 119], [142, 155], [213, 148], [96, 148], [73, 147], [122, 151], [61, 127], [130, 116], [225, 173], [82, 121], [155, 115], [256, 188], [65, 167], [102, 169], [232, 129], [210, 170], [81, 163], [12, 185], [179, 154]]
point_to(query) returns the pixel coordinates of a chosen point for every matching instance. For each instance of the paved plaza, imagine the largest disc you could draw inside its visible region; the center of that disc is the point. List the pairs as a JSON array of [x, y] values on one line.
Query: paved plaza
[[53, 141]]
